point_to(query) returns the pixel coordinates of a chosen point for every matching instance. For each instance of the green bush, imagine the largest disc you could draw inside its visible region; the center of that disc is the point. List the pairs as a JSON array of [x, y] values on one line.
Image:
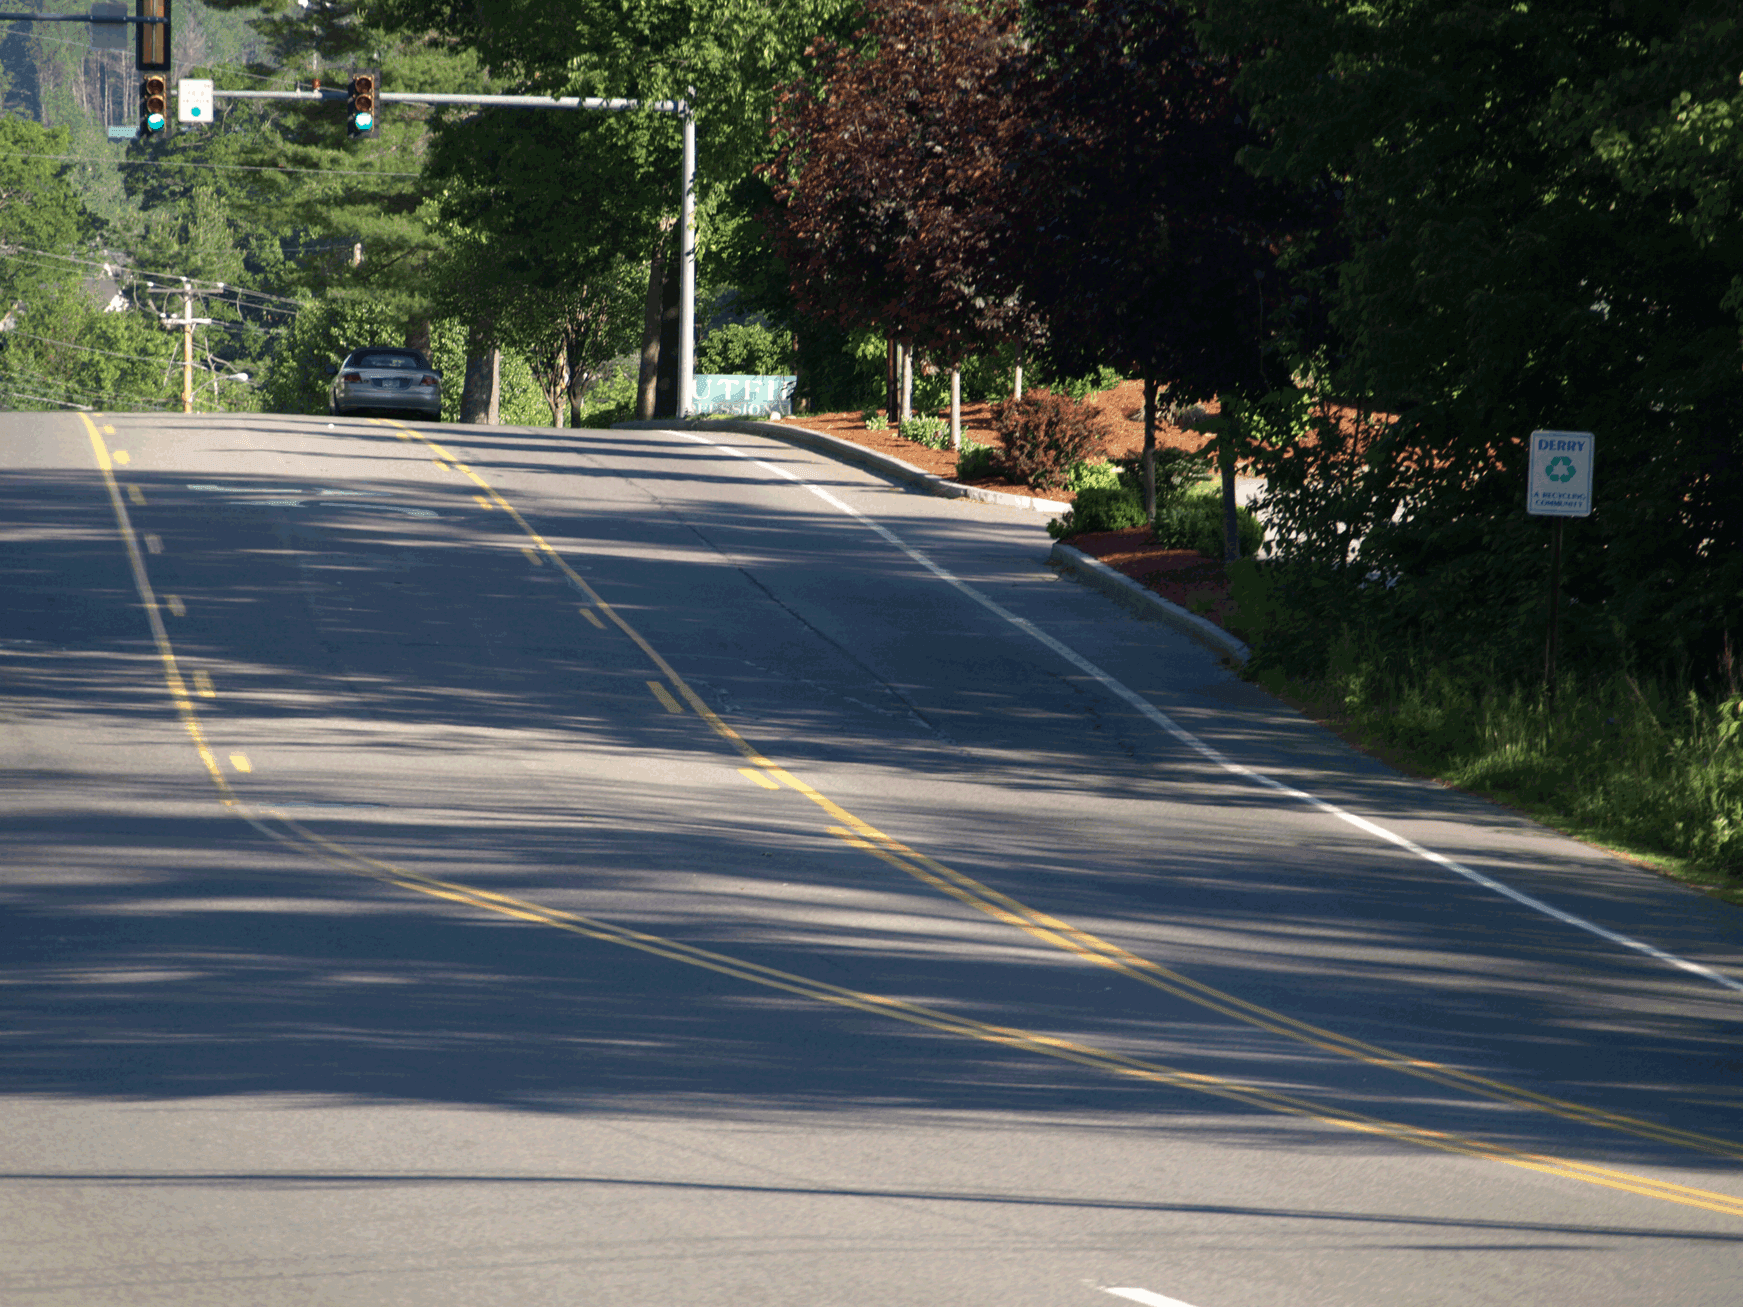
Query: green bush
[[934, 433], [875, 420], [1100, 508], [1177, 472], [745, 349], [1045, 434], [975, 460], [1103, 378], [1093, 476], [1196, 522]]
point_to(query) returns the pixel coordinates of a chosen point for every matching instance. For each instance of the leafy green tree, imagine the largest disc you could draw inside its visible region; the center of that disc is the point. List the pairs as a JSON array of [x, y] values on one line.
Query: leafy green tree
[[58, 348], [1539, 209]]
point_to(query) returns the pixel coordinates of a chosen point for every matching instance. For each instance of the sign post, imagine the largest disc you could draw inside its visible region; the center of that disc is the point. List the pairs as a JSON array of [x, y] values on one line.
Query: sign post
[[1560, 486]]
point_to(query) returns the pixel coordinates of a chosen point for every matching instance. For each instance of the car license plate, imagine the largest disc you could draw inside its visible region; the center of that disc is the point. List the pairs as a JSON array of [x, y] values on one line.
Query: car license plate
[[392, 383]]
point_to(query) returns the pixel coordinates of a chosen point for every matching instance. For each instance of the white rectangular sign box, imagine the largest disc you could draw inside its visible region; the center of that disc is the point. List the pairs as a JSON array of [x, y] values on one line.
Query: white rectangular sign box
[[1561, 474], [194, 100]]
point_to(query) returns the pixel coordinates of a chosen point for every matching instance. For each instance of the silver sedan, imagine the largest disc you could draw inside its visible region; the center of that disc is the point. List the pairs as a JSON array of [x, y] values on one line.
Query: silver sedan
[[383, 378]]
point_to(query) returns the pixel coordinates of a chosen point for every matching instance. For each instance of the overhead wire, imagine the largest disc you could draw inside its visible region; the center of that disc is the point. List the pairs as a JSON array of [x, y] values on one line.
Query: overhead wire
[[218, 167]]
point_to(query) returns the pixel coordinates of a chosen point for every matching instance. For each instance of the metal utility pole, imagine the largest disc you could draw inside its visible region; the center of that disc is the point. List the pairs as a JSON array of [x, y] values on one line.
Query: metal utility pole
[[687, 269]]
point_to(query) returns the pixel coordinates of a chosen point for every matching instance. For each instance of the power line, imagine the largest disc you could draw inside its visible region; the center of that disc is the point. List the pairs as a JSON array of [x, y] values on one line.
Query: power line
[[111, 265], [70, 389], [44, 399], [90, 349], [219, 167]]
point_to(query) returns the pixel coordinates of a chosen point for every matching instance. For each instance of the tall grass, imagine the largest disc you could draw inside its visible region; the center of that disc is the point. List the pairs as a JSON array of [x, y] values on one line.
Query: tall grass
[[1652, 767]]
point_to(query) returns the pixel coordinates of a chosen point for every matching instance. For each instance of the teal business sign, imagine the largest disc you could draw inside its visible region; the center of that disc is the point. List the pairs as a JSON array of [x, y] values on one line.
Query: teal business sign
[[746, 395]]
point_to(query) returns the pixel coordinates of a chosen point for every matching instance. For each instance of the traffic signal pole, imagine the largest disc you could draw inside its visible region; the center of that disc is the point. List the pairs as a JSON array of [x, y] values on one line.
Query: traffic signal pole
[[687, 230]]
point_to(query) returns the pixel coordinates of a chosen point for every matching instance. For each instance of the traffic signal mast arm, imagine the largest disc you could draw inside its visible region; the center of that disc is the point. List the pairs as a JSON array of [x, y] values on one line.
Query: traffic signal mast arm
[[686, 231], [484, 101]]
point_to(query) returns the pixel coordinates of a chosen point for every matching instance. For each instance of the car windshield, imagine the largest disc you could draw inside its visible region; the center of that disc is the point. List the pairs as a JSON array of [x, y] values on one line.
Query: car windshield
[[385, 359]]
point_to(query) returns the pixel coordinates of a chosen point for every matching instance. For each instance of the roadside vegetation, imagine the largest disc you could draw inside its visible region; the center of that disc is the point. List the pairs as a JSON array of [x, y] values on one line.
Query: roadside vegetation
[[1362, 252]]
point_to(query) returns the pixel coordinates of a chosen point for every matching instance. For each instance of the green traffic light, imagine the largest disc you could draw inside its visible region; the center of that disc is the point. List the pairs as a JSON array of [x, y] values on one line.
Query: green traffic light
[[154, 122], [363, 122]]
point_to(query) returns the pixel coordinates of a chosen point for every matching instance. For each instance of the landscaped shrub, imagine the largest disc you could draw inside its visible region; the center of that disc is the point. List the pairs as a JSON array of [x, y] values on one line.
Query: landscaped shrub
[[974, 460], [1196, 522], [875, 420], [1101, 508], [1177, 471], [934, 433], [1093, 476], [1045, 434]]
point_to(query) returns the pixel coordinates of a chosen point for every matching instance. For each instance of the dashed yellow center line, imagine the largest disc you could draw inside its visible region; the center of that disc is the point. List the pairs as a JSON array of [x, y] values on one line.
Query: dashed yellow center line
[[176, 605], [172, 676], [484, 503], [136, 494], [153, 542], [533, 556], [203, 684], [664, 695], [122, 457], [592, 616], [757, 778], [858, 833]]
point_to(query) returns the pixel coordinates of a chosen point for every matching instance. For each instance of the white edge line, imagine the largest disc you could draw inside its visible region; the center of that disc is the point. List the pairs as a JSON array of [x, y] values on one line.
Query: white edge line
[[1228, 764], [1147, 1298]]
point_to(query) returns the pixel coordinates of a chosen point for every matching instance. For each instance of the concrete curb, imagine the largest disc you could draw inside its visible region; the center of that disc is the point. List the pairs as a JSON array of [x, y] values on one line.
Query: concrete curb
[[1094, 572], [848, 452]]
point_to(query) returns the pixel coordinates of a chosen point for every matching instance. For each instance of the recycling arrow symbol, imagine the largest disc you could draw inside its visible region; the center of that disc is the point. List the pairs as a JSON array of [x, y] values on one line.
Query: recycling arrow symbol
[[1561, 468]]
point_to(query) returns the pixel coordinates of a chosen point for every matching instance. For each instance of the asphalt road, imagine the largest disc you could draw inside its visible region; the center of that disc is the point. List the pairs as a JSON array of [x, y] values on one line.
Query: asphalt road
[[468, 865]]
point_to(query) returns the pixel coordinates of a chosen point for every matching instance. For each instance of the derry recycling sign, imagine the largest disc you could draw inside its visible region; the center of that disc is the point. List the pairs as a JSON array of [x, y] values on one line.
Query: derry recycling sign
[[1561, 474]]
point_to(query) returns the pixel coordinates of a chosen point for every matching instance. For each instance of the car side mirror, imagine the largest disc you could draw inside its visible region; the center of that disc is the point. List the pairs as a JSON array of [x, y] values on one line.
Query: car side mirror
[[332, 369]]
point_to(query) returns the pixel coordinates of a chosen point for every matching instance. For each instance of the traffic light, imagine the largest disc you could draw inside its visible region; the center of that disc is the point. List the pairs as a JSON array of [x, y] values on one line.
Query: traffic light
[[153, 105], [151, 53], [362, 107]]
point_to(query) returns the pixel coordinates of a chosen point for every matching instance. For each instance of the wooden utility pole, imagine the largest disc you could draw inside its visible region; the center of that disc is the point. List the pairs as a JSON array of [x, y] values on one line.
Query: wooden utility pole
[[187, 348]]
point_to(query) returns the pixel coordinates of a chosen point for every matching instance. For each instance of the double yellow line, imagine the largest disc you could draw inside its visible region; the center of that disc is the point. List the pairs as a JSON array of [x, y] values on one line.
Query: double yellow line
[[1051, 930], [1080, 943]]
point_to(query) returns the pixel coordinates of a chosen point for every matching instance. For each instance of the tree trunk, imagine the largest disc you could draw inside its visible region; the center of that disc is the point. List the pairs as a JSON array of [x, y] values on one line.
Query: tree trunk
[[892, 380], [1149, 447], [1017, 383], [667, 402], [650, 360], [496, 387], [907, 405], [956, 408], [475, 393], [1231, 522], [417, 336], [578, 378]]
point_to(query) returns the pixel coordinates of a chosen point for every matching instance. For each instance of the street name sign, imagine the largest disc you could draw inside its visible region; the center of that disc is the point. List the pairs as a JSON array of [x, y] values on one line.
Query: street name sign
[[194, 100], [1561, 474]]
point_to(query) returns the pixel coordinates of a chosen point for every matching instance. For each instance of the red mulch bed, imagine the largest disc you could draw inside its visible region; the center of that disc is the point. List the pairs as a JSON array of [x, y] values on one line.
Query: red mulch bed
[[1182, 576], [1122, 407]]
